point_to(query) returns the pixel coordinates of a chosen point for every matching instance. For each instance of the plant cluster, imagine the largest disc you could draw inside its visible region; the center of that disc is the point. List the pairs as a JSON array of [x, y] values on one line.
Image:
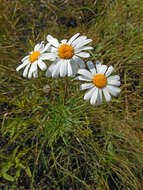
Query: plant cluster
[[66, 61], [50, 137]]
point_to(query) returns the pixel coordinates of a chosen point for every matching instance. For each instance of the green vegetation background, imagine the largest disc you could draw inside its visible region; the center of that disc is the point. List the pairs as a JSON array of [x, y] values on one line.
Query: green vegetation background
[[51, 139]]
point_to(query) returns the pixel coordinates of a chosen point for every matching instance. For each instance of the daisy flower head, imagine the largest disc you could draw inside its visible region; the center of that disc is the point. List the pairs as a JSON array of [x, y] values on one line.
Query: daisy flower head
[[34, 60], [99, 81], [67, 55]]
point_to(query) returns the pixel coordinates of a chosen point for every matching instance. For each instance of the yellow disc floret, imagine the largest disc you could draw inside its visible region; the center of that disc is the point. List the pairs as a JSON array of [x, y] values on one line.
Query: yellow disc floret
[[34, 56], [65, 51], [99, 80]]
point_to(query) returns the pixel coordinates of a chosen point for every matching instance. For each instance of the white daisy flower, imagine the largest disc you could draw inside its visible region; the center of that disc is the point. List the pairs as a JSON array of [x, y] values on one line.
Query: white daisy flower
[[67, 55], [34, 59], [99, 81]]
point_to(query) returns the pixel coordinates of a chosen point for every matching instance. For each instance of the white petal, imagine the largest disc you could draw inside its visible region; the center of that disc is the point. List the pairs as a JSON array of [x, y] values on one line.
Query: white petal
[[84, 42], [83, 78], [94, 96], [113, 90], [89, 93], [56, 70], [26, 70], [75, 68], [47, 47], [42, 65], [102, 69], [48, 73], [98, 66], [106, 94], [53, 50], [79, 61], [73, 38], [41, 47], [99, 98], [50, 70], [83, 54], [86, 86], [32, 69], [70, 71], [79, 39], [35, 74], [83, 48], [26, 62], [37, 46], [63, 68], [64, 41], [86, 73], [114, 82], [91, 67], [52, 41], [114, 77], [25, 58], [109, 71], [30, 74], [48, 56]]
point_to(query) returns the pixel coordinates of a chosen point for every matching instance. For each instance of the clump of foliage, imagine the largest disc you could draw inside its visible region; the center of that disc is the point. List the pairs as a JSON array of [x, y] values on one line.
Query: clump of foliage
[[50, 138]]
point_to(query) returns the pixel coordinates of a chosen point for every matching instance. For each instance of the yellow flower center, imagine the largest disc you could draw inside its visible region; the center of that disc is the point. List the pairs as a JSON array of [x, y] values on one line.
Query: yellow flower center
[[65, 51], [34, 56], [99, 80]]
